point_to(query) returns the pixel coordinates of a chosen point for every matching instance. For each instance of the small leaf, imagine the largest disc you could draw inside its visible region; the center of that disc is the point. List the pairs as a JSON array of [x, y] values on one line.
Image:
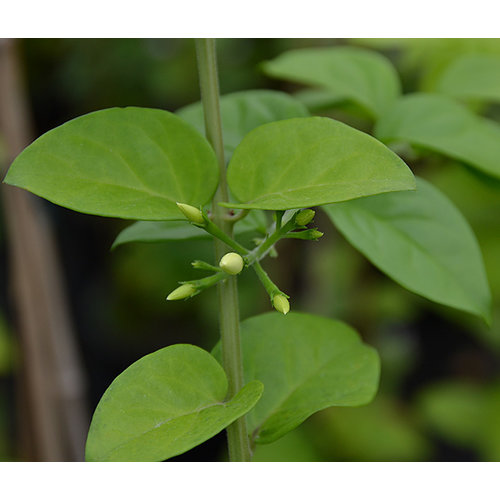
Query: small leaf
[[155, 232], [305, 162], [163, 405], [133, 163], [363, 76], [422, 242], [443, 125], [307, 363], [472, 76], [243, 111]]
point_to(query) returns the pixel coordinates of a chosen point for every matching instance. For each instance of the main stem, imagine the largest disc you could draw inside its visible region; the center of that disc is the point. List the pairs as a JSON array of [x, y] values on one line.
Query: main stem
[[238, 443]]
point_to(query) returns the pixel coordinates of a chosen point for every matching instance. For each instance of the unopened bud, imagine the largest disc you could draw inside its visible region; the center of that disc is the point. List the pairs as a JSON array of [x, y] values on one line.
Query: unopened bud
[[182, 292], [232, 263], [303, 218], [192, 213], [315, 234], [281, 304]]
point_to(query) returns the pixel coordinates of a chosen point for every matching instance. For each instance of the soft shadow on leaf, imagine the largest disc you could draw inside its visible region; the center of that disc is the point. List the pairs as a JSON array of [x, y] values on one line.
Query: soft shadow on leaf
[[441, 124], [243, 111], [363, 76]]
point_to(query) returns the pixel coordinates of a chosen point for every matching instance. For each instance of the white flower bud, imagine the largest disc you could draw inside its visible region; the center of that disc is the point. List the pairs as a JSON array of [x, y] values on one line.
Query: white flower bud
[[182, 292], [192, 213], [281, 304], [232, 263]]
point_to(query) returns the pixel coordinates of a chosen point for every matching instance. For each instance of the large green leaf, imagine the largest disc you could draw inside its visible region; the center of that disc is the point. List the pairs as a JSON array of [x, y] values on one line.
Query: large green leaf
[[306, 363], [441, 124], [133, 163], [155, 232], [362, 76], [243, 111], [165, 404], [475, 76], [305, 162], [422, 242]]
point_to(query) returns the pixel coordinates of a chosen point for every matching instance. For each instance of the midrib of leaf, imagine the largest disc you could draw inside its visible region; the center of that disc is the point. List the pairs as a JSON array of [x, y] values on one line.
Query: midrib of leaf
[[115, 184], [113, 152], [179, 190], [296, 190], [416, 244], [196, 412]]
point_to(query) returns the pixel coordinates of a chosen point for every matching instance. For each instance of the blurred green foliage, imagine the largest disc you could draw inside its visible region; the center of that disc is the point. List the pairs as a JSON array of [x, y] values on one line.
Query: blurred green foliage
[[439, 396]]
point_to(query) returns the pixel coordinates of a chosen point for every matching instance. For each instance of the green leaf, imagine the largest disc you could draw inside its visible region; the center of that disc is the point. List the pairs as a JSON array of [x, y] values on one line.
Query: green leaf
[[163, 405], [133, 163], [359, 75], [243, 111], [155, 232], [422, 242], [306, 363], [443, 125], [475, 76], [305, 162]]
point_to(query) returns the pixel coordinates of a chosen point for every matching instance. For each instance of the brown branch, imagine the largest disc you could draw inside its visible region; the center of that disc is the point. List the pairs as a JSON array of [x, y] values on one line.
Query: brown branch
[[54, 416]]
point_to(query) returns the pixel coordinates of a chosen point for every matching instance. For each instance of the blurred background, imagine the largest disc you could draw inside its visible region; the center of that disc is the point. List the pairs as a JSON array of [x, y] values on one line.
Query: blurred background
[[439, 398]]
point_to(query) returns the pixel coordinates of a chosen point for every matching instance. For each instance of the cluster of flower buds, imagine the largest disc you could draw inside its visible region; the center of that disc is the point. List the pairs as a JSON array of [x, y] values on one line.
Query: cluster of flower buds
[[232, 263]]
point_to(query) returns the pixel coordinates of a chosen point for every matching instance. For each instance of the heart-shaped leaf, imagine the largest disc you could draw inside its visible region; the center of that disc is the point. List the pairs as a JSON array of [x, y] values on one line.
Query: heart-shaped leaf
[[163, 405], [305, 162], [472, 76], [363, 76], [243, 111], [422, 242], [154, 232], [443, 125], [133, 163], [306, 363]]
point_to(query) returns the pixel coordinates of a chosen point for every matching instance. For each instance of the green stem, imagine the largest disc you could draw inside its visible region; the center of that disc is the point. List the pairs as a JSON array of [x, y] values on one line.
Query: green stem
[[268, 283], [263, 249], [237, 436], [216, 231]]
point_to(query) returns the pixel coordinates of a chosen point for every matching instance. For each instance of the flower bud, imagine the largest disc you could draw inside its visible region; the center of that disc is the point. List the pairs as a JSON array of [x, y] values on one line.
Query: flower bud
[[315, 234], [183, 292], [303, 218], [193, 214], [281, 304], [231, 263]]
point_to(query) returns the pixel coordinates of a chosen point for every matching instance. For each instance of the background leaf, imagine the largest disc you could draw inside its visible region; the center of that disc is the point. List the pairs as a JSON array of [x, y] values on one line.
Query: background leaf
[[422, 242], [475, 76], [363, 76], [154, 232], [163, 405], [443, 125], [133, 163], [305, 162], [243, 111], [307, 363]]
